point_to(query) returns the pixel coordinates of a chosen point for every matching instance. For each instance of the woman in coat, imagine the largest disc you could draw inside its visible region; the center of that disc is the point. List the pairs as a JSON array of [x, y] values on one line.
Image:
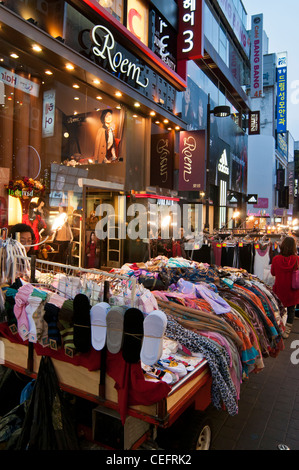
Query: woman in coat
[[282, 268]]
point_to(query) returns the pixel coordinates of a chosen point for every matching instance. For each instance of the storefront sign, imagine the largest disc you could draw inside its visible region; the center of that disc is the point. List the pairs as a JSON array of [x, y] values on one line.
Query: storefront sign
[[192, 161], [21, 83], [281, 112], [48, 113], [254, 123], [104, 47], [257, 56], [233, 17], [162, 155], [262, 203], [252, 199], [164, 41], [223, 163], [137, 19], [190, 35]]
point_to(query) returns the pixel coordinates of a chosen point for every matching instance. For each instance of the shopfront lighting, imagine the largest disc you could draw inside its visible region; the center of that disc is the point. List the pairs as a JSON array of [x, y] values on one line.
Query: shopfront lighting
[[166, 121], [118, 94], [99, 98], [137, 105], [218, 111], [76, 86], [13, 55], [76, 98], [48, 72], [36, 48], [69, 66], [152, 113], [177, 128]]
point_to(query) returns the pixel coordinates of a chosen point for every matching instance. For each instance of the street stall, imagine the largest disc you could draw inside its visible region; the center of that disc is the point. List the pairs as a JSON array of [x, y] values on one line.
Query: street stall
[[144, 343]]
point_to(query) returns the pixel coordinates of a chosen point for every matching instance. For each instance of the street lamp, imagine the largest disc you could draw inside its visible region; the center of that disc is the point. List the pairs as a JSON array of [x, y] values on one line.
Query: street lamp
[[218, 111]]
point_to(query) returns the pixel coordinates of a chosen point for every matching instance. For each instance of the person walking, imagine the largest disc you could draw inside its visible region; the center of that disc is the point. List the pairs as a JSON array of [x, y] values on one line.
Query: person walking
[[282, 268]]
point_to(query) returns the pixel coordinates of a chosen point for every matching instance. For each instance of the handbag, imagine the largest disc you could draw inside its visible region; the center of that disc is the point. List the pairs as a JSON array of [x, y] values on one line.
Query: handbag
[[295, 278]]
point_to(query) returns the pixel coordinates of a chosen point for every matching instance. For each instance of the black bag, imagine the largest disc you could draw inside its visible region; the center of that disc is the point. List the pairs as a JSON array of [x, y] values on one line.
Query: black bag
[[48, 424]]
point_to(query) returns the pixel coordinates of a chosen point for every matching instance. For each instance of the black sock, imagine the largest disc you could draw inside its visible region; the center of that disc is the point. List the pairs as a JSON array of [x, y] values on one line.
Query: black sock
[[133, 335], [82, 328]]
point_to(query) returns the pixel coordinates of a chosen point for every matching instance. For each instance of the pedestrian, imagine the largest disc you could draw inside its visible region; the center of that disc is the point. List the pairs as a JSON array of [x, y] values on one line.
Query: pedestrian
[[27, 238], [282, 268]]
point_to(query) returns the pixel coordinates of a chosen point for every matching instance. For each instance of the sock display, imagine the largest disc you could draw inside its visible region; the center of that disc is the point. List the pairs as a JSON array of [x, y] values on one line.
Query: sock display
[[98, 314], [82, 327], [133, 334]]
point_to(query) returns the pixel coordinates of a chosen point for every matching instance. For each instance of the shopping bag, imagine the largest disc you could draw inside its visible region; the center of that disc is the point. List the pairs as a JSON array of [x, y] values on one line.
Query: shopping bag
[[48, 423], [295, 277]]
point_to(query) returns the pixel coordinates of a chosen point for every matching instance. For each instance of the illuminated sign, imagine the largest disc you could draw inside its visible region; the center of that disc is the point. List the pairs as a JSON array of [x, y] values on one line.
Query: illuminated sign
[[281, 110], [223, 163], [48, 113], [21, 83], [254, 123], [190, 35], [105, 49], [257, 56], [233, 17]]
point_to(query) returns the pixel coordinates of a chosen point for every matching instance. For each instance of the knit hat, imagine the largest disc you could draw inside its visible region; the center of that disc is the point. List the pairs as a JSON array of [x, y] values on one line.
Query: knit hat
[[66, 326], [82, 327], [51, 318], [133, 334]]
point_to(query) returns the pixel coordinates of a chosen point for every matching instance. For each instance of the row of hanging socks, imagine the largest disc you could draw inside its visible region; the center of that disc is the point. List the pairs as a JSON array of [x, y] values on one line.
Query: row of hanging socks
[[75, 326]]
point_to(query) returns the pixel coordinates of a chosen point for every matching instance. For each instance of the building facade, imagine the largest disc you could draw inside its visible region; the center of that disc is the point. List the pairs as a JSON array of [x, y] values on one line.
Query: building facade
[[94, 105]]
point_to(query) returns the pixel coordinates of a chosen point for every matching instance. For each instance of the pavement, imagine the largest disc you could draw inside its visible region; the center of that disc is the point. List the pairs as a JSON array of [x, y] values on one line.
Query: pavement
[[268, 407]]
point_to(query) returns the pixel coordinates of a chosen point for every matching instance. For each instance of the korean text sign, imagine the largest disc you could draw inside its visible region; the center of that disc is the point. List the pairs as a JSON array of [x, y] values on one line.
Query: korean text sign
[[190, 36]]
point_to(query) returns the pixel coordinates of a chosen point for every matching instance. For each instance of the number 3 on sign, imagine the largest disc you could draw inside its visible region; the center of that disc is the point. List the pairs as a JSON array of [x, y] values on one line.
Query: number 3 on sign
[[188, 40]]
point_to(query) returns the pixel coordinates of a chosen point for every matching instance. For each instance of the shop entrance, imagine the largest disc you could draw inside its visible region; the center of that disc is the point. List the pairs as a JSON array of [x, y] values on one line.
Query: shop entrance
[[103, 220]]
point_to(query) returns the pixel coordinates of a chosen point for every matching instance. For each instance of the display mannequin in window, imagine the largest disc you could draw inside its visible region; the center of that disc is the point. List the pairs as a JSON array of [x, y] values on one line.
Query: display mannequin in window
[[105, 144]]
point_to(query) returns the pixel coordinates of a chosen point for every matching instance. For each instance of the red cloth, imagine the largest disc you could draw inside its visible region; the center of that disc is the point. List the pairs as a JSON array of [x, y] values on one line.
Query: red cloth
[[282, 268], [131, 385], [90, 360]]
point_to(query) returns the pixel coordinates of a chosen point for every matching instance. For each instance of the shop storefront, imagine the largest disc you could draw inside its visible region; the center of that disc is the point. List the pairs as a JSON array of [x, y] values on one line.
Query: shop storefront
[[84, 101]]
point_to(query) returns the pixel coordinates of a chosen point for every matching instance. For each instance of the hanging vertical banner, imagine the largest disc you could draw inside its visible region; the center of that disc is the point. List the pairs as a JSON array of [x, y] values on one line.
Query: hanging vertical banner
[[190, 36], [192, 161], [254, 123], [257, 56], [281, 112], [162, 157], [48, 113]]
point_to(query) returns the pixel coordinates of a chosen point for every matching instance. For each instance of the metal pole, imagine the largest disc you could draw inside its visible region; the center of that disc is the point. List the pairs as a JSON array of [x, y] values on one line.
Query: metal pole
[[207, 225]]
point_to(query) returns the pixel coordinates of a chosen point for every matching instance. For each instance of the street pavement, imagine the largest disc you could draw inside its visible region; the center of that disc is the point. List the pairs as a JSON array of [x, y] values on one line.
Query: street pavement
[[268, 415]]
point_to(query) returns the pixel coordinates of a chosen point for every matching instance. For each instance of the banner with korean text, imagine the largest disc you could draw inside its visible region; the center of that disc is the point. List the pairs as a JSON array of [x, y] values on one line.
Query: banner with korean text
[[190, 35], [256, 84], [281, 111]]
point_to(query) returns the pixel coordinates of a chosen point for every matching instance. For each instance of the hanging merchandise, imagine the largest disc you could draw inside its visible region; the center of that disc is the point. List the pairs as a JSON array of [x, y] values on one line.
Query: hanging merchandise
[[148, 340], [48, 423]]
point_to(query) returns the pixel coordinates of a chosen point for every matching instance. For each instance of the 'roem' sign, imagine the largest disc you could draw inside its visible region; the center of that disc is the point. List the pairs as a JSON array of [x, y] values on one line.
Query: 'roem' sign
[[105, 48]]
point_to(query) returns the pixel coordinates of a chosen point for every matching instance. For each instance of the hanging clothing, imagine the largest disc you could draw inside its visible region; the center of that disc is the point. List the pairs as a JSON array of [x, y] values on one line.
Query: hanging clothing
[[261, 261], [245, 257], [282, 268]]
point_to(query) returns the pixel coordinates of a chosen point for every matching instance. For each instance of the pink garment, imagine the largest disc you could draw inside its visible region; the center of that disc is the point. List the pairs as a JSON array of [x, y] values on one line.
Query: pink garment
[[57, 300], [21, 301]]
